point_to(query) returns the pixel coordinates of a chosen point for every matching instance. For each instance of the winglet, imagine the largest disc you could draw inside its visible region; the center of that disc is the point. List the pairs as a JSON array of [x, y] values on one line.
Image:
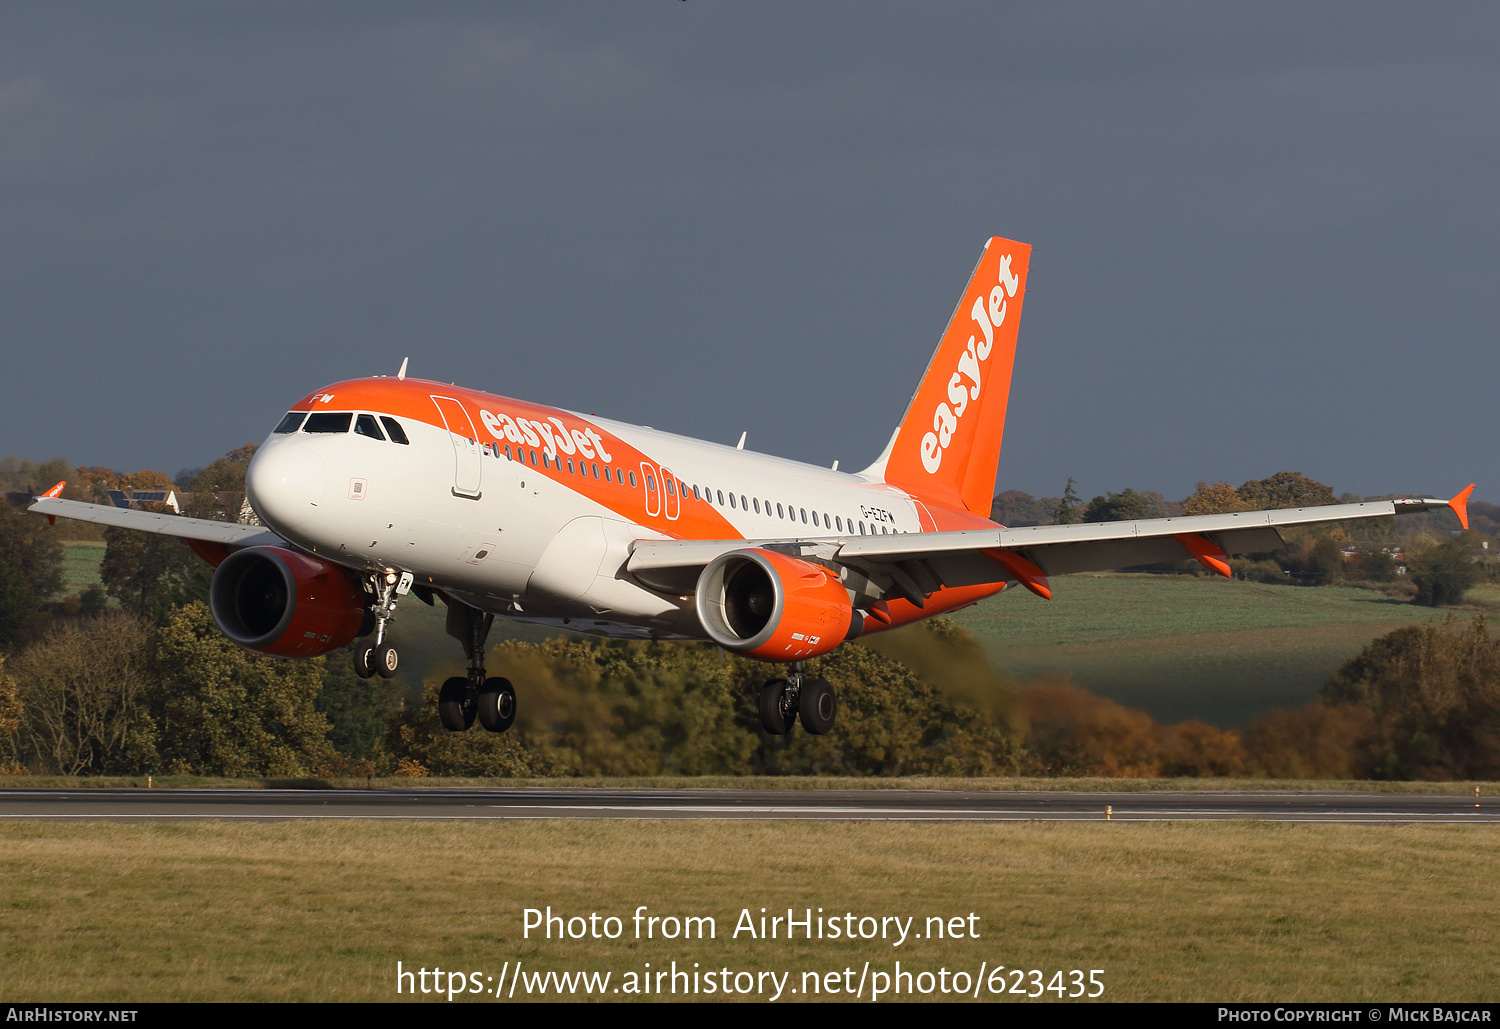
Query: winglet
[[1460, 505], [56, 491]]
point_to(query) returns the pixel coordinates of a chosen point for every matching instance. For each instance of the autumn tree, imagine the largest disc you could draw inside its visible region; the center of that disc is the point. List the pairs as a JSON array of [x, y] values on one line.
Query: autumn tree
[[1126, 506], [32, 477], [1218, 498], [84, 689], [10, 721], [1434, 692], [225, 475], [1443, 574], [1285, 489], [223, 711], [19, 609], [29, 548], [1014, 508], [149, 573]]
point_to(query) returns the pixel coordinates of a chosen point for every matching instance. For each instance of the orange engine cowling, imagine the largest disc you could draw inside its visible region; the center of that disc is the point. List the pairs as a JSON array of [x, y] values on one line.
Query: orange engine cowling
[[773, 607], [285, 604]]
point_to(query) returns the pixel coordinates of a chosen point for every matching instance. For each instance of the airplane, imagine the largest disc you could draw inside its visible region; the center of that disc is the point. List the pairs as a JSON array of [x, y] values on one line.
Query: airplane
[[373, 489]]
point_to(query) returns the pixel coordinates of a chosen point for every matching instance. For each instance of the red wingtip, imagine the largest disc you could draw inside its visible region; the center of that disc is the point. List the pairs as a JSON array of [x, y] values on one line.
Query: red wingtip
[[1460, 505], [56, 490]]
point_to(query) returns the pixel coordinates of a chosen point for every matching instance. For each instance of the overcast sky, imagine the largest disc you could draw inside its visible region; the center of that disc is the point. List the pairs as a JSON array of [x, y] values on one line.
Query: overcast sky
[[1266, 236]]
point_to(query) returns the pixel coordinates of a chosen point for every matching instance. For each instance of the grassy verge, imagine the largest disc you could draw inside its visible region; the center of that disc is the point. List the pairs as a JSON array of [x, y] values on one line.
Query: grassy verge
[[756, 782], [1221, 911]]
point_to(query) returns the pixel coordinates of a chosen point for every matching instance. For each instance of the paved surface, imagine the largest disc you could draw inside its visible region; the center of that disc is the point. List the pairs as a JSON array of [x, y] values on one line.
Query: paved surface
[[137, 805]]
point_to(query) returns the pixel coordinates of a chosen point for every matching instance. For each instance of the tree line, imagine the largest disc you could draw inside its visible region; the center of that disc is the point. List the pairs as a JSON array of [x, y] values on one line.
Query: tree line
[[114, 694]]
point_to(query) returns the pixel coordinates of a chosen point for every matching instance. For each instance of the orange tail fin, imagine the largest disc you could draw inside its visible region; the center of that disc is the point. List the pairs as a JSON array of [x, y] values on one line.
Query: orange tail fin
[[948, 446]]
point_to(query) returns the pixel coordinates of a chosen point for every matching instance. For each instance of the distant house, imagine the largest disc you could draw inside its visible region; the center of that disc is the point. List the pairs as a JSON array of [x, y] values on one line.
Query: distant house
[[137, 499]]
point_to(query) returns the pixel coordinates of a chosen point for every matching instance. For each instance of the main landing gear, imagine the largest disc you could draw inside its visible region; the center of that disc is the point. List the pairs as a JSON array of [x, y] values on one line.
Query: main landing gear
[[464, 698], [798, 696], [379, 656]]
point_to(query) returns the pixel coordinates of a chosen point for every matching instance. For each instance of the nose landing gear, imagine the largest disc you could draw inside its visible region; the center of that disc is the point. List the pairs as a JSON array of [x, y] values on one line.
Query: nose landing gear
[[379, 657], [798, 697], [466, 697]]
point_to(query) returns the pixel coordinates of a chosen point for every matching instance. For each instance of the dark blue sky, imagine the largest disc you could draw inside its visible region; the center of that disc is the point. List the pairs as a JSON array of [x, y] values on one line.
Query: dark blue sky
[[1265, 235]]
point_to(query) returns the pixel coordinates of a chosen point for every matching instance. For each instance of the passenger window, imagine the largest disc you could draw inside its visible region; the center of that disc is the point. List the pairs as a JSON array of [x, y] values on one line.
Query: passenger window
[[744, 504], [804, 515], [290, 422], [322, 422], [695, 493], [606, 473], [826, 523], [721, 498], [731, 500], [365, 426], [779, 512], [394, 431], [533, 459], [756, 502], [570, 466], [632, 480], [861, 528], [507, 453], [838, 523], [815, 518], [596, 471], [650, 482]]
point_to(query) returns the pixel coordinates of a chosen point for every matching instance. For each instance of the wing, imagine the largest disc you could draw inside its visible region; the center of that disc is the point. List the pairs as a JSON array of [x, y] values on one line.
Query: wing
[[230, 534], [915, 565]]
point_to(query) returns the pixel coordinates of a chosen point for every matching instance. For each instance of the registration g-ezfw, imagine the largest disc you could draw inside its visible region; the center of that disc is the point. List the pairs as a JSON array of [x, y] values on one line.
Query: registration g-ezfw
[[372, 489]]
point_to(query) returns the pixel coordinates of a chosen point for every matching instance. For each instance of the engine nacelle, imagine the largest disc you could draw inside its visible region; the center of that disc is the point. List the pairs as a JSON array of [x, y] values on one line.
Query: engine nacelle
[[285, 604], [773, 607]]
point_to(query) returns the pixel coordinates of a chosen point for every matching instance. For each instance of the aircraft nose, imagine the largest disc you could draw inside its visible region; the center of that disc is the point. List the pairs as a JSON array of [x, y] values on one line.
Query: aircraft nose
[[285, 484]]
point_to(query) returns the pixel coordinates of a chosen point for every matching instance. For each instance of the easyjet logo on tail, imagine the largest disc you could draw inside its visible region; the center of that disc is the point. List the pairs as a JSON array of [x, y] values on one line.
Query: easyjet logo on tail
[[966, 381]]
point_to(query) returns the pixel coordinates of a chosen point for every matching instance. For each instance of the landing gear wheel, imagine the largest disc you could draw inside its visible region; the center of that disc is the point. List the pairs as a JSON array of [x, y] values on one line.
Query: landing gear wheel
[[386, 660], [774, 716], [817, 705], [497, 704], [457, 705], [364, 660]]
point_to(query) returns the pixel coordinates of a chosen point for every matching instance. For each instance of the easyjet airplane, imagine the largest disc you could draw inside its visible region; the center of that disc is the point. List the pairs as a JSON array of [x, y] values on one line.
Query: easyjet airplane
[[376, 488]]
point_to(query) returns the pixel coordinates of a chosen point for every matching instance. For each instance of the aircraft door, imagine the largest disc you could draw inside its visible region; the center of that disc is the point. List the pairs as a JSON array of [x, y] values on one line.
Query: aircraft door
[[671, 501], [653, 489], [468, 460]]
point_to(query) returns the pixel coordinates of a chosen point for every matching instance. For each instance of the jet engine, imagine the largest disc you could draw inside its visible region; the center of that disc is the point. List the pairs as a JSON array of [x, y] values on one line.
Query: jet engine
[[285, 604], [774, 607]]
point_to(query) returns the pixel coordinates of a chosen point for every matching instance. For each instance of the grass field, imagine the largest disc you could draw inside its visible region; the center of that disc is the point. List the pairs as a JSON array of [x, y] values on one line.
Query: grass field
[[80, 569], [323, 911], [1183, 647]]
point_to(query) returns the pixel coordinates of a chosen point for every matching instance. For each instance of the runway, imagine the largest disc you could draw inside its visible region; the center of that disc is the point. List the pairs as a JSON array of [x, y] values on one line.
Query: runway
[[187, 805]]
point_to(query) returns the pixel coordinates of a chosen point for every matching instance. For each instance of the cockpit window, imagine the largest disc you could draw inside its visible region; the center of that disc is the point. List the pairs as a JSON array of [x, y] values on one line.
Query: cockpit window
[[291, 423], [328, 422], [394, 431], [365, 426]]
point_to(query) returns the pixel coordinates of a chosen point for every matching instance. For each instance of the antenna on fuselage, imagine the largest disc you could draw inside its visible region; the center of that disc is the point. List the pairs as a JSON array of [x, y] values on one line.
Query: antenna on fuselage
[[401, 375], [741, 444]]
